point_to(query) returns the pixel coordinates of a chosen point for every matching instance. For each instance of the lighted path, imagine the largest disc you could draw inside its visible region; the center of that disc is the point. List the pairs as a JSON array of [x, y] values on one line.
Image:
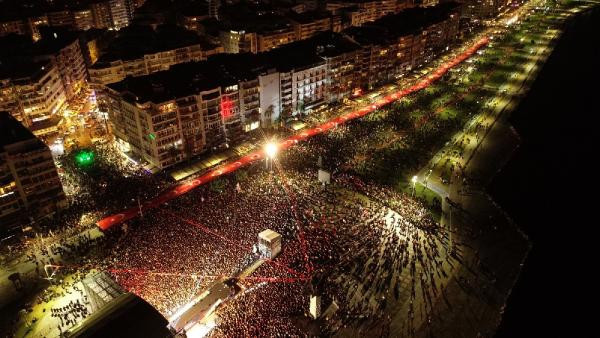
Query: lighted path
[[178, 190]]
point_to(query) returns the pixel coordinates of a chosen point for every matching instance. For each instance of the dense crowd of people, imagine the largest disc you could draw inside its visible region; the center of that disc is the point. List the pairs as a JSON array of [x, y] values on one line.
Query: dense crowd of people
[[349, 242]]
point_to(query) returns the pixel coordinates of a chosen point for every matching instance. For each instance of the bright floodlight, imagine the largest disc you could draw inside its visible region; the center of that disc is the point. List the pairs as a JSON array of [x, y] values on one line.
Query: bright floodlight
[[414, 179], [271, 150]]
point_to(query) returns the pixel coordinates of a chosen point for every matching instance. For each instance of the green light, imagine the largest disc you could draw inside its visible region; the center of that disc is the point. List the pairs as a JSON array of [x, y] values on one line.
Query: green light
[[84, 158], [151, 136]]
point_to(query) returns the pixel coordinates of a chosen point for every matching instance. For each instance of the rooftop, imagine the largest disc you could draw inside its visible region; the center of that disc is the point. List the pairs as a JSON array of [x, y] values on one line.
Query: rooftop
[[229, 69], [126, 316], [308, 17], [134, 42], [30, 52], [23, 69], [53, 40], [190, 78], [409, 21], [12, 131], [252, 18], [268, 235], [300, 54]]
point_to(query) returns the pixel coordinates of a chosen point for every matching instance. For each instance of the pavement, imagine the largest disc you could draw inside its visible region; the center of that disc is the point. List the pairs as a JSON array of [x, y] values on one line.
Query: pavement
[[496, 246], [27, 268]]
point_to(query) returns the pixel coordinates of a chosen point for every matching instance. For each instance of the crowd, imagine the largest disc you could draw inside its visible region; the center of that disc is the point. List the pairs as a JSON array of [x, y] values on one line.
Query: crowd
[[353, 243], [99, 185], [70, 314]]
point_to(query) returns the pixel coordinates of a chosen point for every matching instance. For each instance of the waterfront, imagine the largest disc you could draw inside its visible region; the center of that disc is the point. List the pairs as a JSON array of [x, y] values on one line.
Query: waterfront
[[545, 186]]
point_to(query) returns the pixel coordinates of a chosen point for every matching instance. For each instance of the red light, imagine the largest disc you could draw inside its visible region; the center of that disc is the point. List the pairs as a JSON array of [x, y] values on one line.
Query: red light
[[226, 107]]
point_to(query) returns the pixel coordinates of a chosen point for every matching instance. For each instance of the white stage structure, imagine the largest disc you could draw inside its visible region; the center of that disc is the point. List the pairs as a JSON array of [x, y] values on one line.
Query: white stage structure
[[269, 243]]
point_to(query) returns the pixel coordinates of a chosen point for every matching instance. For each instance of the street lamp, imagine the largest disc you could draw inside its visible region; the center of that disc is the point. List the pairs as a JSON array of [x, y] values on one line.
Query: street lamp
[[427, 177], [414, 182], [271, 151]]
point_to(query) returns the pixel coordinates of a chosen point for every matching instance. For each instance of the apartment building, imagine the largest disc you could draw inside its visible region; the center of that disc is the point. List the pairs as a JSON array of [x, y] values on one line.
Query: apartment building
[[16, 26], [34, 94], [63, 48], [83, 19], [395, 44], [101, 14], [60, 18], [308, 24], [24, 26], [482, 9], [141, 51], [302, 78], [191, 18], [270, 39], [248, 28], [359, 12], [166, 117], [199, 106], [213, 8], [29, 184], [342, 58], [110, 14], [238, 41], [36, 83], [121, 13]]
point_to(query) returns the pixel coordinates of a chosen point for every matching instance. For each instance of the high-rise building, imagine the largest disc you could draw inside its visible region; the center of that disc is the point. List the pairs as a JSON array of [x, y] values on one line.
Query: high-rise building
[[29, 184], [172, 115], [60, 18], [83, 19], [63, 48], [308, 24], [143, 50], [213, 8], [101, 14], [121, 12], [34, 94], [169, 116]]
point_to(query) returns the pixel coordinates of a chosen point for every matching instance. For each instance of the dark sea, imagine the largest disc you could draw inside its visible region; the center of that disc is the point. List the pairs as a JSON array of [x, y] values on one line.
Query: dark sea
[[550, 189]]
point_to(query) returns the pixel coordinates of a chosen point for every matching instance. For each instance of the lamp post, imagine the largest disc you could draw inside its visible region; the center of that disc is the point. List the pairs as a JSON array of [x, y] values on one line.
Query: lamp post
[[427, 177], [414, 182], [270, 152]]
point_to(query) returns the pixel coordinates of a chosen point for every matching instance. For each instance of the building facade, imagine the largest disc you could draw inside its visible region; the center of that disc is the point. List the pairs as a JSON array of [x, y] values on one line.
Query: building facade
[[34, 95], [29, 184], [83, 19], [166, 117], [121, 13], [267, 40], [71, 66], [308, 24], [117, 70]]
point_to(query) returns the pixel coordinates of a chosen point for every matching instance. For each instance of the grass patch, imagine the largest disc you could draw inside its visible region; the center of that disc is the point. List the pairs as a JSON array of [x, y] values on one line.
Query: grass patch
[[429, 197]]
